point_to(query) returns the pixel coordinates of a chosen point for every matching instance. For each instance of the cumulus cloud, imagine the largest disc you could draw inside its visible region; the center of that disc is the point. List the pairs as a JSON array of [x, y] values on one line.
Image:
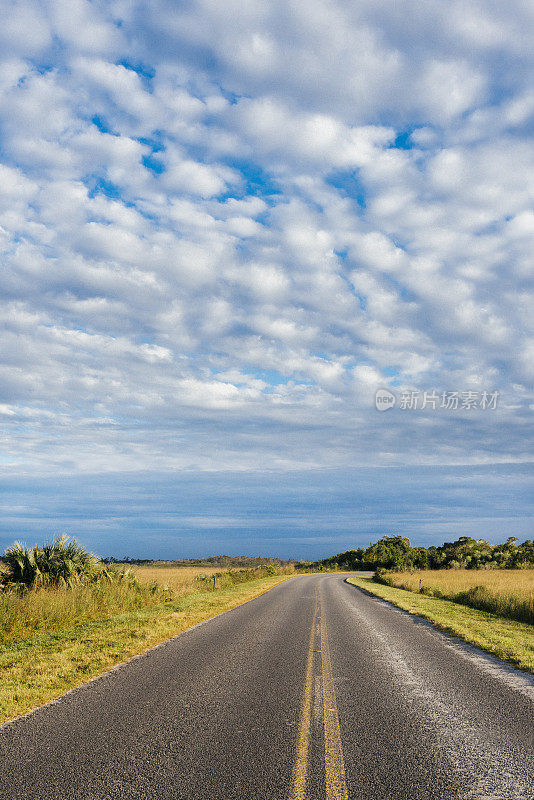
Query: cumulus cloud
[[220, 239]]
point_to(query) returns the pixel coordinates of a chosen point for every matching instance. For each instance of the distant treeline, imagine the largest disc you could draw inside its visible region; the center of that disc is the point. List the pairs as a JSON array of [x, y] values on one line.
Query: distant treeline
[[211, 561], [397, 553]]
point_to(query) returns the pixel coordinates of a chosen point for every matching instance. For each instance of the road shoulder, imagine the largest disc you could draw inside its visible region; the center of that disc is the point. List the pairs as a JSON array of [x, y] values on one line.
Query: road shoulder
[[508, 640], [42, 668]]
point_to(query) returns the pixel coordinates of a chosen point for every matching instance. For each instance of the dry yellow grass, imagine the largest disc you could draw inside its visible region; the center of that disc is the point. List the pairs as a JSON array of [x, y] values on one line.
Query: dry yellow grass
[[452, 581], [505, 592], [180, 579], [48, 609]]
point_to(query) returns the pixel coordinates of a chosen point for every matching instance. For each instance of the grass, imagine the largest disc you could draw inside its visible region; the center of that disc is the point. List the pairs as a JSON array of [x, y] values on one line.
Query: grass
[[180, 580], [65, 637], [508, 640], [504, 592], [49, 609]]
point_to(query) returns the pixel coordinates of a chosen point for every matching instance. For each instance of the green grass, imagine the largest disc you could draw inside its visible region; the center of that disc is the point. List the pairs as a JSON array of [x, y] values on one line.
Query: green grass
[[507, 639], [40, 667]]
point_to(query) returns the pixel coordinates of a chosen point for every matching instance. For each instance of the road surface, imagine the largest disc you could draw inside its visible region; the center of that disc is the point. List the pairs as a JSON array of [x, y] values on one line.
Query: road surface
[[315, 690]]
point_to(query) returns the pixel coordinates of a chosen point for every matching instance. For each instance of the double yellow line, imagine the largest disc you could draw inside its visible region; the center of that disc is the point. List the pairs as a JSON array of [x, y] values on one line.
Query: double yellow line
[[336, 787]]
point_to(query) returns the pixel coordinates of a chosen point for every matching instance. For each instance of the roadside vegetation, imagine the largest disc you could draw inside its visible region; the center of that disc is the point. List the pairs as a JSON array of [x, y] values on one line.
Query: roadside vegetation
[[182, 580], [507, 593], [504, 638], [44, 589], [397, 553], [66, 617]]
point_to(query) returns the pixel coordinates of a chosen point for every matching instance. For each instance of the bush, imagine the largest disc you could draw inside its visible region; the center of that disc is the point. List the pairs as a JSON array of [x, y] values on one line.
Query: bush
[[222, 580], [500, 592], [63, 562], [382, 577]]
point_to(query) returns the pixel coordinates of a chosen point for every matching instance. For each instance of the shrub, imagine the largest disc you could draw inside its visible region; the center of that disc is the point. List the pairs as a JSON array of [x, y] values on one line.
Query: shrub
[[506, 605], [63, 562], [381, 576], [222, 580]]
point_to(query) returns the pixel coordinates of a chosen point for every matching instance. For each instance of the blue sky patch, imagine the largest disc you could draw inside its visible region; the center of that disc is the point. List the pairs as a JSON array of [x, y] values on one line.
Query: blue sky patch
[[349, 184]]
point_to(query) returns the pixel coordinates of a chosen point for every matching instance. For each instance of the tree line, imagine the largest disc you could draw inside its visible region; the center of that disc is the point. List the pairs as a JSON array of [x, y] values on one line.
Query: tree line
[[397, 553], [210, 561]]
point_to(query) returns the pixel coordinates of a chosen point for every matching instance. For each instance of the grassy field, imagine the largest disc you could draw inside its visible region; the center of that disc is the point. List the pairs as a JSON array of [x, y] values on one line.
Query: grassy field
[[181, 580], [49, 608], [54, 639], [507, 639], [505, 592]]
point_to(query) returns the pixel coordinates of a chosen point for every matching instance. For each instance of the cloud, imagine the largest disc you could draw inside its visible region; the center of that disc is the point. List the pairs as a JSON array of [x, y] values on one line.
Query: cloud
[[309, 514], [219, 239]]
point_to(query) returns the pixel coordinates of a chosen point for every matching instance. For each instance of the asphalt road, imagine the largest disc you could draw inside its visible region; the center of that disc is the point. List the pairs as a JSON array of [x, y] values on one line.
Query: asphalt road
[[313, 690]]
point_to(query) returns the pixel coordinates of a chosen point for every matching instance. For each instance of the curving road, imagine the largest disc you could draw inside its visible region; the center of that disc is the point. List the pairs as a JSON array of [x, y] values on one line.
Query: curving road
[[312, 691]]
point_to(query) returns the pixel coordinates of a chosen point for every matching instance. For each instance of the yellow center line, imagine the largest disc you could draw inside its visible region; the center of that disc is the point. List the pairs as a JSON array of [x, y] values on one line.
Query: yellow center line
[[300, 771], [336, 787]]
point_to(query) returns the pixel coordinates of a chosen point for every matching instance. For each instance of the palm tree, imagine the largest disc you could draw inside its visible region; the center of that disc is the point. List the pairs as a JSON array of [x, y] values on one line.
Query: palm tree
[[61, 562]]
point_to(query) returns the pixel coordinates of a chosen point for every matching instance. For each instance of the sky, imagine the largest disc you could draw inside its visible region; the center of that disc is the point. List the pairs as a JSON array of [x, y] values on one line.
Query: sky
[[225, 226]]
